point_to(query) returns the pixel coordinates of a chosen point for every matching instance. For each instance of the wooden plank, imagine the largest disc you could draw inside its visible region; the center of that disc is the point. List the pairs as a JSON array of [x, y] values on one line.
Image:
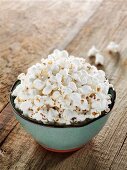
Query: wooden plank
[[7, 123], [120, 158], [27, 36]]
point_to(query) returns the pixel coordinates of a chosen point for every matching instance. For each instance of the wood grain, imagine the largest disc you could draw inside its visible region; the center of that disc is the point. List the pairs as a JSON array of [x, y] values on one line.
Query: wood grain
[[79, 25]]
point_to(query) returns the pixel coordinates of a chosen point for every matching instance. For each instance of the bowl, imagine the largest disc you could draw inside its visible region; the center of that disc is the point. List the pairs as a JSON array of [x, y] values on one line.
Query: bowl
[[62, 138]]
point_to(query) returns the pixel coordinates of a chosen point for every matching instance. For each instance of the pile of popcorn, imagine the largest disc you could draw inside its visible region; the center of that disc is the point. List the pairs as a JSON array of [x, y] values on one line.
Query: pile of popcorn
[[62, 89]]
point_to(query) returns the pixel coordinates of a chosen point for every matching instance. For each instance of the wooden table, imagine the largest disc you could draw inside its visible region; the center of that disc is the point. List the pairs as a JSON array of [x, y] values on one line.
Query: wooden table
[[31, 29]]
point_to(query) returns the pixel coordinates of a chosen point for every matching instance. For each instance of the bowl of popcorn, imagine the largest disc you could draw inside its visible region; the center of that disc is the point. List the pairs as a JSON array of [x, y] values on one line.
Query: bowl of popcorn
[[63, 101]]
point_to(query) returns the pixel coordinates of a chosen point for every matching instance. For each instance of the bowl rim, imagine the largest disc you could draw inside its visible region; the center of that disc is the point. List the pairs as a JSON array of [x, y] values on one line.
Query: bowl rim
[[18, 112]]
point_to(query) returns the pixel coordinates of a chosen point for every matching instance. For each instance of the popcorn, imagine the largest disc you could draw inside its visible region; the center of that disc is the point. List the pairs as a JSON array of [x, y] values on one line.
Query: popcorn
[[96, 105], [63, 89], [94, 113], [68, 115], [76, 98], [64, 54], [47, 90], [58, 78], [99, 59], [113, 47], [17, 90], [85, 90], [17, 102], [38, 101], [49, 102], [38, 84], [23, 96], [66, 91], [31, 93], [37, 116], [25, 106], [51, 114], [76, 77], [21, 76], [35, 109], [56, 95], [92, 52], [84, 105], [55, 69], [72, 86]]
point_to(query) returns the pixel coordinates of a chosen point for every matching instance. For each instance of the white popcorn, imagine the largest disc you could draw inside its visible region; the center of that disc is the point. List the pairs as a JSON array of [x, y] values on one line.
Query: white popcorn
[[47, 90], [76, 63], [58, 77], [76, 77], [96, 105], [60, 54], [32, 70], [67, 101], [17, 102], [56, 53], [64, 54], [49, 102], [72, 86], [76, 98], [85, 90], [50, 58], [51, 114], [32, 92], [66, 91], [81, 117], [23, 96], [113, 47], [55, 69], [92, 52], [68, 115], [39, 66], [37, 116], [84, 105], [35, 109], [25, 106], [63, 89], [83, 80], [38, 84], [21, 76], [94, 113], [38, 101], [17, 90], [56, 95], [99, 59]]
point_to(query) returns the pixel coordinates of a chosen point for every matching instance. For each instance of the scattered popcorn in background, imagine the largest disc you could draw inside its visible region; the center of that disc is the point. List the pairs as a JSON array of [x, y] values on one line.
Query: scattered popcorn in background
[[92, 52], [63, 89], [113, 47], [99, 60], [95, 57]]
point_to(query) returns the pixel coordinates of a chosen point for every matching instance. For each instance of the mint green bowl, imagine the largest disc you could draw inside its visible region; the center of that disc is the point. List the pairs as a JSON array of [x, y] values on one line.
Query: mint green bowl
[[62, 138]]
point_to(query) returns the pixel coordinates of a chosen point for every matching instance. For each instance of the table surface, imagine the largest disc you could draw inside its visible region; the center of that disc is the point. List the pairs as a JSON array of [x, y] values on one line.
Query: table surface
[[31, 29]]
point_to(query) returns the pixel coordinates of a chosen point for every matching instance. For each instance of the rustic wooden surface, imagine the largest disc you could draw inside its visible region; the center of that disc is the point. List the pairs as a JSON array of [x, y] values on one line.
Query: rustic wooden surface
[[29, 30]]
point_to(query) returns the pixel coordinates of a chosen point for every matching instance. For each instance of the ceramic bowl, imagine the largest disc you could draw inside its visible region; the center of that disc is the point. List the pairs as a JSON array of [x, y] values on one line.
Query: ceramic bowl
[[62, 138]]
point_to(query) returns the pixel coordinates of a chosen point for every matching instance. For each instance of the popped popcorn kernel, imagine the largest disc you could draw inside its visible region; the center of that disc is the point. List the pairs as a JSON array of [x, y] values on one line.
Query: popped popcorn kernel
[[113, 47], [99, 59], [92, 52]]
